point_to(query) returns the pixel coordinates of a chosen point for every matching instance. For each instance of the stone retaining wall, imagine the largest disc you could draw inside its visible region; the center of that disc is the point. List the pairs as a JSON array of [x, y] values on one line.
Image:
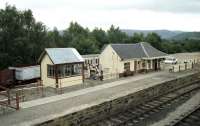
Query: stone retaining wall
[[97, 112]]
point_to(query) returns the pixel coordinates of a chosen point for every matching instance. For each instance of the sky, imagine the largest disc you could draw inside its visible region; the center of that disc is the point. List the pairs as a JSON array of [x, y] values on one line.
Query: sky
[[181, 15]]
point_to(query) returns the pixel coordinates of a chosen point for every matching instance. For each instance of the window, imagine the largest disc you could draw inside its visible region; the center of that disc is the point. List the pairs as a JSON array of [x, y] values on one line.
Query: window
[[86, 61], [143, 64], [67, 70], [60, 70], [71, 70], [127, 66], [149, 64], [97, 61], [64, 70], [77, 69], [50, 71]]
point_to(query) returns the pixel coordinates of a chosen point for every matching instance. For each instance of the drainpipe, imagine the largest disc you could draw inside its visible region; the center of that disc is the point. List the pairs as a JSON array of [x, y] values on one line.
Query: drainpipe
[[83, 75], [56, 75]]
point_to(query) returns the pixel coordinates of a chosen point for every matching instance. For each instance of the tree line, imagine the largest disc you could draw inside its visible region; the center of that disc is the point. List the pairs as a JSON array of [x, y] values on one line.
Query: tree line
[[22, 38]]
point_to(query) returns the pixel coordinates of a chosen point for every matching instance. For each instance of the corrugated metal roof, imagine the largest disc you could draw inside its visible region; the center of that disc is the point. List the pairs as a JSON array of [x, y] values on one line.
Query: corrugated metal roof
[[138, 50], [64, 55], [90, 56]]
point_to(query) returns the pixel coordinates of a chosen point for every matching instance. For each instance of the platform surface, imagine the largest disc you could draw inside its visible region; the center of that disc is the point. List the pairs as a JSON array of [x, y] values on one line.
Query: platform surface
[[40, 110]]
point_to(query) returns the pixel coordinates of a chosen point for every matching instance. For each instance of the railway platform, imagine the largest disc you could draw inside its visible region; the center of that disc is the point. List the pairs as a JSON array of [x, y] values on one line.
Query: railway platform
[[50, 108]]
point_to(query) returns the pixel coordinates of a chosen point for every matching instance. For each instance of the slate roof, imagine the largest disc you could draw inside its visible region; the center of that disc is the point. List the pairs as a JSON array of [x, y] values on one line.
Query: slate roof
[[138, 50], [62, 55]]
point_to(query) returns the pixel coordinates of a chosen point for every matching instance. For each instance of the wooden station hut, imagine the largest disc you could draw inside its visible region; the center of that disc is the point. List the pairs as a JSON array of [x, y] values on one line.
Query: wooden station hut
[[61, 67]]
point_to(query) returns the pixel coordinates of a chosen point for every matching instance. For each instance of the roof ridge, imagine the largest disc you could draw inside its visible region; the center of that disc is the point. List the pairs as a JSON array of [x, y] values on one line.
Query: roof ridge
[[124, 43], [141, 43], [61, 48], [128, 43], [76, 53]]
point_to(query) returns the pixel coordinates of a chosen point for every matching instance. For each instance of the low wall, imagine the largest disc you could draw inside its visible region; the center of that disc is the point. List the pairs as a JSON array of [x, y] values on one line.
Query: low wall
[[91, 115]]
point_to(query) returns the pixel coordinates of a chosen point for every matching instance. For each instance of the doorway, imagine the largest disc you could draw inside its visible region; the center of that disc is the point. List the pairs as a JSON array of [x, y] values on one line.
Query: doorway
[[155, 64]]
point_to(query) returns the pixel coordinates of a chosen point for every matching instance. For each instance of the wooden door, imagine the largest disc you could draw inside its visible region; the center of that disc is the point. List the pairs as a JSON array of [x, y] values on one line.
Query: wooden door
[[155, 64]]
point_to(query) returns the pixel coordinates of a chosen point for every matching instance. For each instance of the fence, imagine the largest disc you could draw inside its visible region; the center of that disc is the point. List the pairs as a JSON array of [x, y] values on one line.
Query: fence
[[31, 91], [10, 98], [181, 67]]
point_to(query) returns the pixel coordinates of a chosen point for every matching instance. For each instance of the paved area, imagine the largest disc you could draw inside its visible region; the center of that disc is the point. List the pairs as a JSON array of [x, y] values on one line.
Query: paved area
[[32, 93], [181, 110], [84, 91], [41, 110]]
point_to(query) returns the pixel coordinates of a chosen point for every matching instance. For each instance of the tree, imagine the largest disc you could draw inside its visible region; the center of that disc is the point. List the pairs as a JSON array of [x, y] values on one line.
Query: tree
[[154, 39], [100, 36], [115, 35], [81, 39], [137, 37], [191, 45], [55, 39], [85, 45], [67, 38], [76, 29], [22, 38]]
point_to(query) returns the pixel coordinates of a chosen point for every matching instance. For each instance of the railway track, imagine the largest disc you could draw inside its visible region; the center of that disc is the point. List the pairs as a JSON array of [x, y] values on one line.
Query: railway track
[[192, 119], [137, 115]]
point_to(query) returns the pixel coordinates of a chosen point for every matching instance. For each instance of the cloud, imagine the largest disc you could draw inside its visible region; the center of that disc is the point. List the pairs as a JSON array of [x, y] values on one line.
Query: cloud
[[132, 14], [173, 6], [177, 6]]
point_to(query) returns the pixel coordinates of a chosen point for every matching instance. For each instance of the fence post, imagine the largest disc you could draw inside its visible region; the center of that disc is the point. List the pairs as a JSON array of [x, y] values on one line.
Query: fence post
[[42, 88], [179, 68], [17, 100], [192, 65], [38, 85], [22, 94], [8, 92], [173, 68], [61, 87], [185, 66]]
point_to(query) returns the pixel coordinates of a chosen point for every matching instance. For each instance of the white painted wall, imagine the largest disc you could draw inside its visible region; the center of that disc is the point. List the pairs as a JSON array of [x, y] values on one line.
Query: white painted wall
[[64, 82], [110, 62], [46, 80], [70, 81]]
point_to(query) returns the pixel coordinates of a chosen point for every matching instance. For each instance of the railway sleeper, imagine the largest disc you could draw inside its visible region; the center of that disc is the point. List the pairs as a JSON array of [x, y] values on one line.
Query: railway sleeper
[[133, 116]]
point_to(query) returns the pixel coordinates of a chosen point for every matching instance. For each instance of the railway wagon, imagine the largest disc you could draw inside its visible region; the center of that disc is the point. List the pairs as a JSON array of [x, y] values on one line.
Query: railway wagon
[[19, 75], [7, 78], [26, 75]]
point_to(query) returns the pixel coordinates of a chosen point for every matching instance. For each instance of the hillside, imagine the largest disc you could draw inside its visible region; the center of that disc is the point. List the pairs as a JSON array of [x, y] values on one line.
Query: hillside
[[187, 35], [165, 34]]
